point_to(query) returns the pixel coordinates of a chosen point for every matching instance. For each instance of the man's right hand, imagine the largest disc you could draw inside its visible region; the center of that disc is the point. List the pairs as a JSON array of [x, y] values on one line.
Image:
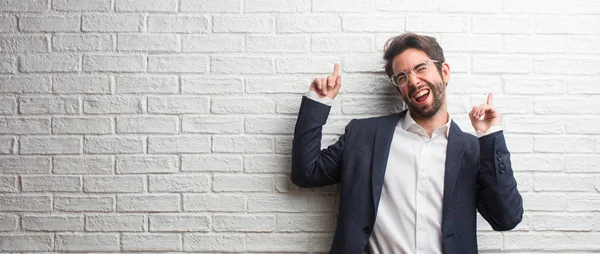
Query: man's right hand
[[329, 86]]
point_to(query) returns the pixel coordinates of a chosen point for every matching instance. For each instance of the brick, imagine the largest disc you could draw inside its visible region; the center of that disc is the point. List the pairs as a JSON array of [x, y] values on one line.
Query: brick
[[178, 104], [343, 6], [243, 223], [151, 242], [370, 105], [179, 222], [472, 43], [241, 65], [535, 6], [568, 66], [562, 222], [211, 6], [212, 43], [212, 124], [26, 241], [25, 165], [146, 5], [148, 42], [214, 202], [533, 162], [7, 145], [115, 223], [50, 145], [147, 124], [283, 145], [81, 5], [8, 24], [582, 125], [23, 43], [535, 44], [25, 203], [209, 85], [551, 241], [84, 203], [179, 144], [267, 164], [8, 184], [82, 42], [114, 63], [82, 125], [142, 164], [277, 242], [545, 201], [48, 105], [81, 84], [373, 24], [211, 163], [430, 23], [113, 144], [564, 144], [401, 5], [213, 242], [243, 24], [177, 63], [49, 23], [242, 144], [147, 84], [305, 223], [534, 85], [87, 164], [87, 242], [564, 183], [177, 24], [113, 23], [489, 241], [270, 6], [243, 183], [270, 43], [8, 222], [320, 242], [179, 183], [242, 105], [581, 44], [519, 143], [114, 184], [306, 65], [24, 5], [19, 85], [583, 202], [524, 182], [277, 85], [370, 63], [534, 124], [270, 125], [148, 203], [49, 183], [277, 203], [471, 6], [582, 163], [308, 24], [52, 222], [290, 105], [354, 43], [8, 63], [474, 84], [501, 24], [502, 64]]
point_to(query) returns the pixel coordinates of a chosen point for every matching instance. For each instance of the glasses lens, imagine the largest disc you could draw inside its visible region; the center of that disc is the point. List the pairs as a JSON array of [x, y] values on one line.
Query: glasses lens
[[401, 79]]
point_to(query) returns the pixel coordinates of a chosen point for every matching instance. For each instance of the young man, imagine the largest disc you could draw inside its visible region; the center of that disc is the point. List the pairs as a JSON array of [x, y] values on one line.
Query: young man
[[410, 182]]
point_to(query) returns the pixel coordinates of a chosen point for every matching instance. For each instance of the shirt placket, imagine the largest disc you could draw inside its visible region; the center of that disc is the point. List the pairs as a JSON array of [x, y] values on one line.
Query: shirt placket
[[422, 180]]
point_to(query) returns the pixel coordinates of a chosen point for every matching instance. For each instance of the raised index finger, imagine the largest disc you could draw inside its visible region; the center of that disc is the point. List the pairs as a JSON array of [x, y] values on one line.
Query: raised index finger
[[490, 99], [336, 69]]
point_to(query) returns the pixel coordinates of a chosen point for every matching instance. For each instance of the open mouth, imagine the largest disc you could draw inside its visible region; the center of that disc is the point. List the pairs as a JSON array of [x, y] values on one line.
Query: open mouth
[[421, 96]]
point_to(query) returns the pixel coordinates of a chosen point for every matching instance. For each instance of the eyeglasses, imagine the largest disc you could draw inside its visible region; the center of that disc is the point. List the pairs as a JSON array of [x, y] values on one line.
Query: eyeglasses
[[400, 79]]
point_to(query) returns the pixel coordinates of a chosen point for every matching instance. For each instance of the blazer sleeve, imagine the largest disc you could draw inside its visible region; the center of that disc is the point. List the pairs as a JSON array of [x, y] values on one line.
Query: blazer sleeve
[[311, 166], [498, 199]]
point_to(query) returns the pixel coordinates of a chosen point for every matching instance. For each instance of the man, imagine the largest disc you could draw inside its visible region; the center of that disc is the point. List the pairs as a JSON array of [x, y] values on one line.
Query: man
[[410, 182]]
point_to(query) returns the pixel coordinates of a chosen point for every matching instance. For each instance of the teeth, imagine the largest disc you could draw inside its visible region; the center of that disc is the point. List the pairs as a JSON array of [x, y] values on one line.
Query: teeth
[[421, 93]]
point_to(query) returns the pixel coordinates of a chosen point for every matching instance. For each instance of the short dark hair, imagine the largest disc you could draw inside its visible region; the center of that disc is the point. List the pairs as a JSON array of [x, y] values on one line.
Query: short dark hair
[[398, 44]]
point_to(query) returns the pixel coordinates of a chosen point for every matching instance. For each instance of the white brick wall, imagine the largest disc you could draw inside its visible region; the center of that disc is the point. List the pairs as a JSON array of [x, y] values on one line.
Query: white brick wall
[[166, 125]]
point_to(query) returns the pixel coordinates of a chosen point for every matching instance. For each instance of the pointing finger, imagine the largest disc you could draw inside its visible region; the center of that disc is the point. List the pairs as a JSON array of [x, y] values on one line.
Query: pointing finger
[[336, 69], [490, 99]]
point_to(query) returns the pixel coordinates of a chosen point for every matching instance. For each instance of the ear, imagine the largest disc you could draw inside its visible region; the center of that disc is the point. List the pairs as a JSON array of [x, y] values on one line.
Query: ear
[[445, 72]]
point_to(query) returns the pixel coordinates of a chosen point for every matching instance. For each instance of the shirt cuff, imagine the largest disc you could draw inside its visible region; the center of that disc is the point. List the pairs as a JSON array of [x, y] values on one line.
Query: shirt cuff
[[495, 128], [325, 100]]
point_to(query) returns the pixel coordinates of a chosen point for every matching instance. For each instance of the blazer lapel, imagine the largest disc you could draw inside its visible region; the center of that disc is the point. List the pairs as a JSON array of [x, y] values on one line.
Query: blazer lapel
[[454, 155], [383, 141]]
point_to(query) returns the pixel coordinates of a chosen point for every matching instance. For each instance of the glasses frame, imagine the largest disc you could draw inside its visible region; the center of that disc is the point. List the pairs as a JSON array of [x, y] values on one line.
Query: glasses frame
[[412, 71]]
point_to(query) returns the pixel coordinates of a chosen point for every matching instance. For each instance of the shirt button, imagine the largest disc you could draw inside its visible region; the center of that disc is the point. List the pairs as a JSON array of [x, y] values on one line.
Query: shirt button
[[367, 230]]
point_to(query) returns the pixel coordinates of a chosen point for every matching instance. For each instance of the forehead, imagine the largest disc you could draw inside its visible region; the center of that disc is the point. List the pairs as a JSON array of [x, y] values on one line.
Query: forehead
[[408, 59]]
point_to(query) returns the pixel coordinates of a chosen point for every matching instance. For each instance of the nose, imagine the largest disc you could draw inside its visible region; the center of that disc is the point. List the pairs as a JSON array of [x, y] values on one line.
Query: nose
[[413, 80]]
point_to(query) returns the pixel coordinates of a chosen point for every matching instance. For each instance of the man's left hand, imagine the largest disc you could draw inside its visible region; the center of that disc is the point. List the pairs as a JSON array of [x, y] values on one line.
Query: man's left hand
[[491, 115]]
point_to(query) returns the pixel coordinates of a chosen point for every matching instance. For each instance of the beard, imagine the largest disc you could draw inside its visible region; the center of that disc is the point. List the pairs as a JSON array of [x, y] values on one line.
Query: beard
[[438, 91]]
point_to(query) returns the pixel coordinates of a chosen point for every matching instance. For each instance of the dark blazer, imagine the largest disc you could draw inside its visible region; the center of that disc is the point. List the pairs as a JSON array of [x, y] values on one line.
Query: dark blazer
[[478, 177]]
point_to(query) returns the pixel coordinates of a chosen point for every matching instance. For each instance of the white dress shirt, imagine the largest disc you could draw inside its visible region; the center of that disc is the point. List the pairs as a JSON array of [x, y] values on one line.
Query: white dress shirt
[[409, 216]]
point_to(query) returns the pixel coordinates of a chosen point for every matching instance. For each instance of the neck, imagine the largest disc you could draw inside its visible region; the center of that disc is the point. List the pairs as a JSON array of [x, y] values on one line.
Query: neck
[[430, 124]]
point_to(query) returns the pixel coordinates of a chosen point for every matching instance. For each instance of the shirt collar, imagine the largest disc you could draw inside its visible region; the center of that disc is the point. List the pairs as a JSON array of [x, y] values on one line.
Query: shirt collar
[[409, 124]]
